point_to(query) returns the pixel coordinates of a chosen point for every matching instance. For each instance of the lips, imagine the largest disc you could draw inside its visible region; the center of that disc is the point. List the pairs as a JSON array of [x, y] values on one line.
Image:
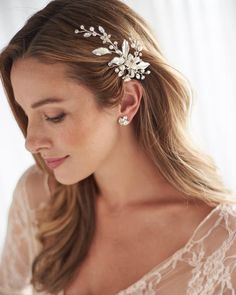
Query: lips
[[51, 160], [54, 162]]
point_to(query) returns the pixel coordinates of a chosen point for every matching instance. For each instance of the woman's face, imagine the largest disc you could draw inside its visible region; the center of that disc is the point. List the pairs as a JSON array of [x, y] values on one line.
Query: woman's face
[[82, 131]]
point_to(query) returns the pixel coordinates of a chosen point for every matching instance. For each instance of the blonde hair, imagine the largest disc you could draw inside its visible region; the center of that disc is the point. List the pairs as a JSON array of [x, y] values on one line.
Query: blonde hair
[[67, 227]]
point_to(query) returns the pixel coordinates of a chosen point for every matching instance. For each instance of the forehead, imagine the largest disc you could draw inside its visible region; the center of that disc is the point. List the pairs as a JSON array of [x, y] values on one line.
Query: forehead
[[33, 80], [34, 70]]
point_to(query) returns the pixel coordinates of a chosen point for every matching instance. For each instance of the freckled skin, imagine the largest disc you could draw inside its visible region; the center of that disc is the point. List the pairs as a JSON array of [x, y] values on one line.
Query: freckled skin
[[136, 201], [87, 134], [92, 137]]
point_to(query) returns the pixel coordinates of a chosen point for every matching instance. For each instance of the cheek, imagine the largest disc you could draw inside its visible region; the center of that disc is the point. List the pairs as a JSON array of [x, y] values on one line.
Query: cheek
[[91, 136], [90, 144], [102, 139], [72, 137]]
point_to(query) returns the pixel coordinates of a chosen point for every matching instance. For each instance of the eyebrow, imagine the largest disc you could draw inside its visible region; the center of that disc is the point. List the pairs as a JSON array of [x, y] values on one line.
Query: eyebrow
[[46, 101]]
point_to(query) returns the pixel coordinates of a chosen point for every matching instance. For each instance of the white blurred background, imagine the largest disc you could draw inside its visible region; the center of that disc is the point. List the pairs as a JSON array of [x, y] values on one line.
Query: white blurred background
[[198, 37]]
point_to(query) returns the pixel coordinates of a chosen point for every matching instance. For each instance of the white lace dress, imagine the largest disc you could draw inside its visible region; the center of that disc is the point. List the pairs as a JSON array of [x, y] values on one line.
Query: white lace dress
[[205, 265]]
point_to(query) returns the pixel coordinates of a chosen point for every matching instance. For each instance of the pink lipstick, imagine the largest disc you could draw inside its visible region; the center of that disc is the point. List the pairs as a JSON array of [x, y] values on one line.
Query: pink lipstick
[[54, 162]]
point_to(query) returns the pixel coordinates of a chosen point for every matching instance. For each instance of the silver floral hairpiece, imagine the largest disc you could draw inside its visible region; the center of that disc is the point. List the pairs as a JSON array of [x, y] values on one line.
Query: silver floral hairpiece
[[127, 65]]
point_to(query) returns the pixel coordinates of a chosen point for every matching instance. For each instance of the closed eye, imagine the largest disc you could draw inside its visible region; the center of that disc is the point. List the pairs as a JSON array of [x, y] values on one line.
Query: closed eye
[[57, 119]]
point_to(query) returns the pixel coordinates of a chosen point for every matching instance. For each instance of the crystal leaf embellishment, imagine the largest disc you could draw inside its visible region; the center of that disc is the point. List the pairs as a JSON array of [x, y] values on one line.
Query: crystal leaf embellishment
[[101, 51], [126, 64]]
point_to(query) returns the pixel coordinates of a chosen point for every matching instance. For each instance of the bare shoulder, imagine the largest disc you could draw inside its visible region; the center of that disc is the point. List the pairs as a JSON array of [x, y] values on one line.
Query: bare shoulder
[[36, 186]]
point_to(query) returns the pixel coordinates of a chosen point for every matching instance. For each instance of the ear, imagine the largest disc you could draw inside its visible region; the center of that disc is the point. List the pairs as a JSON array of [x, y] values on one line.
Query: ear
[[131, 99]]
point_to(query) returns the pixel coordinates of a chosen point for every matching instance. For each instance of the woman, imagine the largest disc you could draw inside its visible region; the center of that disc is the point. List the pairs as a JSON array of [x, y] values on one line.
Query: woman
[[132, 206]]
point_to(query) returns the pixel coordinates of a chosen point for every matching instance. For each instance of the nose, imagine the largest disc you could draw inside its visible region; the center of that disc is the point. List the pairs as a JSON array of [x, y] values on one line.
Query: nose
[[36, 141]]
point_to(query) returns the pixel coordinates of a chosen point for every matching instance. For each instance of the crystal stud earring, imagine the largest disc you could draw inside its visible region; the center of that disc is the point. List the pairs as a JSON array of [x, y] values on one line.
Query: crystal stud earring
[[123, 120]]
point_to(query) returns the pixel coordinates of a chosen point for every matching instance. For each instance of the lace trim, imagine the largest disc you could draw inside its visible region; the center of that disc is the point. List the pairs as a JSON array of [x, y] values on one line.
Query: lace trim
[[206, 275], [143, 285]]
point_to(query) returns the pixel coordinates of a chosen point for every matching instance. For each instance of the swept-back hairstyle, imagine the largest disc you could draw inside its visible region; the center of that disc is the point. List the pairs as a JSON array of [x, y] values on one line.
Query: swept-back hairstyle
[[160, 125]]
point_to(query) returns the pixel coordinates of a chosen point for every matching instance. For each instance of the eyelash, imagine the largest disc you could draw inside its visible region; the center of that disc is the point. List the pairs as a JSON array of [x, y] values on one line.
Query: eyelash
[[57, 119]]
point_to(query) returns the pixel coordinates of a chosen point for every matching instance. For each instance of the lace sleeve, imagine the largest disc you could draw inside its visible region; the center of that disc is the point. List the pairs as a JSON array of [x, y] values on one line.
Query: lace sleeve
[[15, 263], [230, 273]]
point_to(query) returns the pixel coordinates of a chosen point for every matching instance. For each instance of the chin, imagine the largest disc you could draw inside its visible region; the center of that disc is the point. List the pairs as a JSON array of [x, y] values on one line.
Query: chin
[[67, 180]]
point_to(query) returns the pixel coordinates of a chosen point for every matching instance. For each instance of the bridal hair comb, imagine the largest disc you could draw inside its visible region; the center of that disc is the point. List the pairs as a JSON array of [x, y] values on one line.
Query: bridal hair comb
[[127, 65]]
